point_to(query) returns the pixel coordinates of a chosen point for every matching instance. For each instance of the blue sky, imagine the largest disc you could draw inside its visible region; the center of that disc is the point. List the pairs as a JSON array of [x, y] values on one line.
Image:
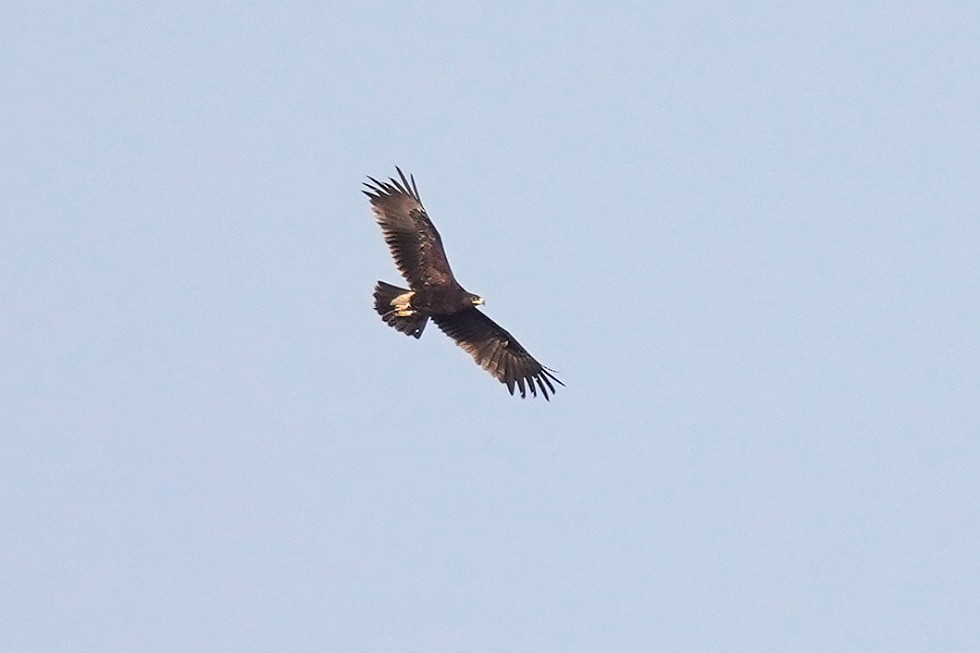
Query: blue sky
[[745, 234]]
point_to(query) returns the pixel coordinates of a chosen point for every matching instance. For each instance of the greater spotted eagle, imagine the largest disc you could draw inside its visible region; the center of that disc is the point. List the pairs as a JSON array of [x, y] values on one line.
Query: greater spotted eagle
[[434, 292]]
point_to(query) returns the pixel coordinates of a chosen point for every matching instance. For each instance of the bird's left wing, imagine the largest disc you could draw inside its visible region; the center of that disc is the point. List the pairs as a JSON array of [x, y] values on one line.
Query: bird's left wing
[[412, 238]]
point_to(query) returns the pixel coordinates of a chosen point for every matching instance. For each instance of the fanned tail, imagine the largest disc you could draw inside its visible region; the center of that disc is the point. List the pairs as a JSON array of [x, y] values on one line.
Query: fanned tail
[[384, 294]]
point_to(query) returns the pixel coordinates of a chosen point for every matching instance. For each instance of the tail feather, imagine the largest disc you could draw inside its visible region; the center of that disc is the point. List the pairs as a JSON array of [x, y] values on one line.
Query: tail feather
[[411, 325]]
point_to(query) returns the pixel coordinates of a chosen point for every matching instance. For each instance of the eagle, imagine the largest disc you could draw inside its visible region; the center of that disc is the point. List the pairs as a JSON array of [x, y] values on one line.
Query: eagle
[[434, 292]]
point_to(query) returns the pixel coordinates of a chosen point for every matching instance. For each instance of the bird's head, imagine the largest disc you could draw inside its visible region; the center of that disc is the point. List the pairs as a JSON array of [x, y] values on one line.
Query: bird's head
[[476, 300]]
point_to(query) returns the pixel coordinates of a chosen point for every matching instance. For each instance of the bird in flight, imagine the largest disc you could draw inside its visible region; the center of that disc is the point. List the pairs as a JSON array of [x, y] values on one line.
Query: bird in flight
[[434, 292]]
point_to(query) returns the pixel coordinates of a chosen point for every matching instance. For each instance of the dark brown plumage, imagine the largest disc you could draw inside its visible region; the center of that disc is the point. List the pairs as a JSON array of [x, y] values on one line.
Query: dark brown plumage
[[434, 292]]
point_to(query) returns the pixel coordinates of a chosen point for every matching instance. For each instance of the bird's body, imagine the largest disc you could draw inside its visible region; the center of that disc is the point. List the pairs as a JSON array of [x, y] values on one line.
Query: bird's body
[[435, 294]]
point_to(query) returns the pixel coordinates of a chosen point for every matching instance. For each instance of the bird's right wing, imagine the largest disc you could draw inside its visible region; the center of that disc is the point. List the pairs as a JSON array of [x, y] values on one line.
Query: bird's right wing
[[497, 352]]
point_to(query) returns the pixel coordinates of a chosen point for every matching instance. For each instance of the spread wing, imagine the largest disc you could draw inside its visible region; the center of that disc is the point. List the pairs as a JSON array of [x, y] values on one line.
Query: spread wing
[[497, 352], [412, 238]]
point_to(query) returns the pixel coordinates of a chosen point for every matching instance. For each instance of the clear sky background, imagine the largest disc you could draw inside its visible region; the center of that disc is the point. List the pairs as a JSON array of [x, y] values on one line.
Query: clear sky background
[[746, 234]]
